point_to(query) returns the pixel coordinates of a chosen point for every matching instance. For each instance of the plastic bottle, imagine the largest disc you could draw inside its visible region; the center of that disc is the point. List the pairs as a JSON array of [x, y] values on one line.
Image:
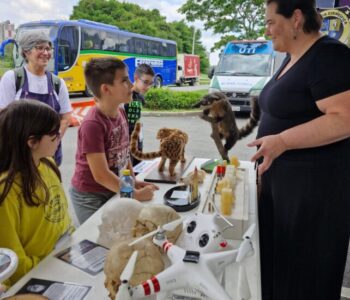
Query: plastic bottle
[[126, 184]]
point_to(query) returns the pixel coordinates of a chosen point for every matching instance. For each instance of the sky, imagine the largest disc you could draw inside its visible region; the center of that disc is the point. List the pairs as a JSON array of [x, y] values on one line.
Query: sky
[[21, 11]]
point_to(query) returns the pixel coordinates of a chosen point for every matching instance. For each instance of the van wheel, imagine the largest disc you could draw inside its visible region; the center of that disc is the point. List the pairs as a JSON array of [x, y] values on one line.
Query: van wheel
[[158, 82], [87, 92]]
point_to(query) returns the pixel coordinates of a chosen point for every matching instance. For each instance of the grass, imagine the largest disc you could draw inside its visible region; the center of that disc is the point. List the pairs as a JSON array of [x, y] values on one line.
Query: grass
[[204, 79], [173, 101], [6, 62], [5, 65]]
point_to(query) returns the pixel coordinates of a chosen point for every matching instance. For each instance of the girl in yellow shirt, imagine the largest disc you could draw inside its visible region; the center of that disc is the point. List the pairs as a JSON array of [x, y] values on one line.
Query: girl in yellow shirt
[[33, 207]]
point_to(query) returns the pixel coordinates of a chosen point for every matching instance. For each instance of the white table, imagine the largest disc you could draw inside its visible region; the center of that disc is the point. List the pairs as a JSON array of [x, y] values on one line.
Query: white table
[[54, 269]]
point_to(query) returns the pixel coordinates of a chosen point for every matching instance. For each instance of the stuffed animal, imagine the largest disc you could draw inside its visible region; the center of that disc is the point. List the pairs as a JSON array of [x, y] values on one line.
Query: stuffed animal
[[217, 110]]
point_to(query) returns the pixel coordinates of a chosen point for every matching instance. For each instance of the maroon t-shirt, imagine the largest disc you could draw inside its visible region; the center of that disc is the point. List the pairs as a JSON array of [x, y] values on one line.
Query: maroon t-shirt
[[100, 134]]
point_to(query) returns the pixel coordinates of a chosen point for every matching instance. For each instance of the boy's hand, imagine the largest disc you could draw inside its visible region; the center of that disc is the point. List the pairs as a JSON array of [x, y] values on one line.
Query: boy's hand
[[145, 193], [141, 184]]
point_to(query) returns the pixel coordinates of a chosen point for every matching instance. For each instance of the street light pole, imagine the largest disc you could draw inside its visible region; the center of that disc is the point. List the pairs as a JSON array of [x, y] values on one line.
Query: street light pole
[[194, 37]]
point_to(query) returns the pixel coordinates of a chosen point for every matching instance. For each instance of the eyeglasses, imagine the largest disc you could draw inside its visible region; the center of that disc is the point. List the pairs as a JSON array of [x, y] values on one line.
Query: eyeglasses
[[146, 82], [43, 49]]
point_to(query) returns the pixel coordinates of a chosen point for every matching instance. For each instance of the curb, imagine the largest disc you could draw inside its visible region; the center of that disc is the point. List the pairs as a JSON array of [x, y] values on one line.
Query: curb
[[170, 113]]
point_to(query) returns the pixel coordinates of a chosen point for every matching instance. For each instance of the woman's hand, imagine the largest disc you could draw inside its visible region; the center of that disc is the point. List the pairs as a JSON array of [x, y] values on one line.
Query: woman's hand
[[145, 193], [270, 147]]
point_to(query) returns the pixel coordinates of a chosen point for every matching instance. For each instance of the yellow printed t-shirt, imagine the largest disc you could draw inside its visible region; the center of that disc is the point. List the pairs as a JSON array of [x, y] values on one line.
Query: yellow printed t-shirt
[[32, 231]]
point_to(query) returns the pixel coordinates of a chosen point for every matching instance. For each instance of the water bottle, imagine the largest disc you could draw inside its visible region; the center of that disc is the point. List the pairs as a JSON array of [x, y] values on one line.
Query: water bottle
[[126, 184]]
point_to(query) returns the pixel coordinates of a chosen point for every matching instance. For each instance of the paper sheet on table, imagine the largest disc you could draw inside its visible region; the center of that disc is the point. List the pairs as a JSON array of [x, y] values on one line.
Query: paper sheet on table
[[145, 166], [180, 195], [55, 289]]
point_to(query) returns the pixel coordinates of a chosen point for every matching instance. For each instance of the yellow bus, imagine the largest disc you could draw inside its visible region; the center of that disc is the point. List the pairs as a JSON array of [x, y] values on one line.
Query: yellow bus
[[76, 42]]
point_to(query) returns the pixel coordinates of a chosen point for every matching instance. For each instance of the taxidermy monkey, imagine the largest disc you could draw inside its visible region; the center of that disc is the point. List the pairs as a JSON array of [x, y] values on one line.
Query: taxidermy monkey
[[218, 112]]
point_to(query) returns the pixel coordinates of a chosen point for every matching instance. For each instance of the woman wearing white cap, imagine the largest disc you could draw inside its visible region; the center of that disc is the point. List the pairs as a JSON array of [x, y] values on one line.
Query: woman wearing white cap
[[37, 83]]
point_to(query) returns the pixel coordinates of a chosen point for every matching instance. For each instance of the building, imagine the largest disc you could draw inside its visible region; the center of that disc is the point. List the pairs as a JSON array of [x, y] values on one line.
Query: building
[[7, 30]]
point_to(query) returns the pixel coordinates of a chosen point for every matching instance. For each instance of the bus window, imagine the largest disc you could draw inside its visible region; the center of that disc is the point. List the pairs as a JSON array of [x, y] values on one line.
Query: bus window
[[163, 49], [171, 50], [91, 39], [126, 43], [154, 48], [110, 42], [68, 42], [131, 45], [140, 46]]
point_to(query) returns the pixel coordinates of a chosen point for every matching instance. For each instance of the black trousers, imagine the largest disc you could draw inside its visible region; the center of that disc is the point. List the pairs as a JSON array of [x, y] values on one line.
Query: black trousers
[[304, 225]]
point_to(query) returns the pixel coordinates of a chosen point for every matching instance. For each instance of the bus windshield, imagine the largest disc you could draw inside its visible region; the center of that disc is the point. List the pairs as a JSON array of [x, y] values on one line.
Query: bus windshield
[[51, 31], [245, 65]]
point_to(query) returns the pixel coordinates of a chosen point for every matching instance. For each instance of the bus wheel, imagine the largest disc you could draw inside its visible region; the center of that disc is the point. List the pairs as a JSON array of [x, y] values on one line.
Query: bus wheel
[[87, 92], [158, 82]]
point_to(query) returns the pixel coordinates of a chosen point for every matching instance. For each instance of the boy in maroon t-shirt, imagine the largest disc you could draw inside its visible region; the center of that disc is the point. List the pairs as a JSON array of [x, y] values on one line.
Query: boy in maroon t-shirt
[[103, 140]]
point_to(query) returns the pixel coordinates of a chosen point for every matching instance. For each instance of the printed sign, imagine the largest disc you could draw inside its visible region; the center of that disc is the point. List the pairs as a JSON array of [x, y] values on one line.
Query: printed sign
[[236, 83], [150, 61], [249, 48], [86, 256], [55, 290], [336, 23]]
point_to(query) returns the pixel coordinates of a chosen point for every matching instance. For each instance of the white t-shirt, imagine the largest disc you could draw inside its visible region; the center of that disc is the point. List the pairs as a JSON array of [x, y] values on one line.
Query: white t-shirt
[[37, 84]]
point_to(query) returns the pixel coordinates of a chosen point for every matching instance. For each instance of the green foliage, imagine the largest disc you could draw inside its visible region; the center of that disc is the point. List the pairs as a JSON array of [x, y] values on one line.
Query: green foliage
[[242, 18], [166, 99], [132, 17], [6, 62]]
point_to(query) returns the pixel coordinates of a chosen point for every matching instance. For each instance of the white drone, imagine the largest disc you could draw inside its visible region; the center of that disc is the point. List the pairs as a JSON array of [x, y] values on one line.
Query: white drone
[[189, 269]]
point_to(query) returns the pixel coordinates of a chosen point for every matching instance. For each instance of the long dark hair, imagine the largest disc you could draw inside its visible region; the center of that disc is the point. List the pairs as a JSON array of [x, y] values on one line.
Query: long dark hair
[[286, 8], [20, 121]]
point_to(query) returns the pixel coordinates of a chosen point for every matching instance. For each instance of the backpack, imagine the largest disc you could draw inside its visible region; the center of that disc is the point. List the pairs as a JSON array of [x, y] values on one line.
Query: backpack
[[19, 76]]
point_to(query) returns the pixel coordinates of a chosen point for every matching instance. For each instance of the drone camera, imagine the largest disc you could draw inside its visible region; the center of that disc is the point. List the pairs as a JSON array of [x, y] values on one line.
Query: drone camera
[[192, 257], [203, 240], [191, 226]]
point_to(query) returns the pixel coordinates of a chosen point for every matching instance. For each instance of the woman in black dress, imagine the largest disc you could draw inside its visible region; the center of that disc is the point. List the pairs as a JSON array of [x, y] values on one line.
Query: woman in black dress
[[304, 158]]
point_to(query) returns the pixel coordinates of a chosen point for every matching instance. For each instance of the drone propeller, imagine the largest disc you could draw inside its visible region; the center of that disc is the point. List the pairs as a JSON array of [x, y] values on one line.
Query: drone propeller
[[166, 227], [123, 292], [243, 285], [220, 215], [245, 249], [246, 246]]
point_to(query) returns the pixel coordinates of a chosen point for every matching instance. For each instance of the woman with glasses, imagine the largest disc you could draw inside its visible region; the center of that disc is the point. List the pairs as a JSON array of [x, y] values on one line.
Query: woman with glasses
[[37, 83], [33, 207]]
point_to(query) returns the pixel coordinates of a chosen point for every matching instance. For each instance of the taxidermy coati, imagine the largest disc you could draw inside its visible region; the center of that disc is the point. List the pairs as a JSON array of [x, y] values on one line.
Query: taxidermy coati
[[172, 147], [218, 112]]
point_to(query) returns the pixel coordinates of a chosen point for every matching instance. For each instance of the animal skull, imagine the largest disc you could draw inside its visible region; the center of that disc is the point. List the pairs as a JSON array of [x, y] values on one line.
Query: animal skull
[[118, 218], [149, 263], [152, 216]]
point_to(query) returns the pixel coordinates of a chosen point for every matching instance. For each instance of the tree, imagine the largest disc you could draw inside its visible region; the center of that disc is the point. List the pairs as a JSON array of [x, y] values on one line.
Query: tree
[[132, 17], [243, 19]]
